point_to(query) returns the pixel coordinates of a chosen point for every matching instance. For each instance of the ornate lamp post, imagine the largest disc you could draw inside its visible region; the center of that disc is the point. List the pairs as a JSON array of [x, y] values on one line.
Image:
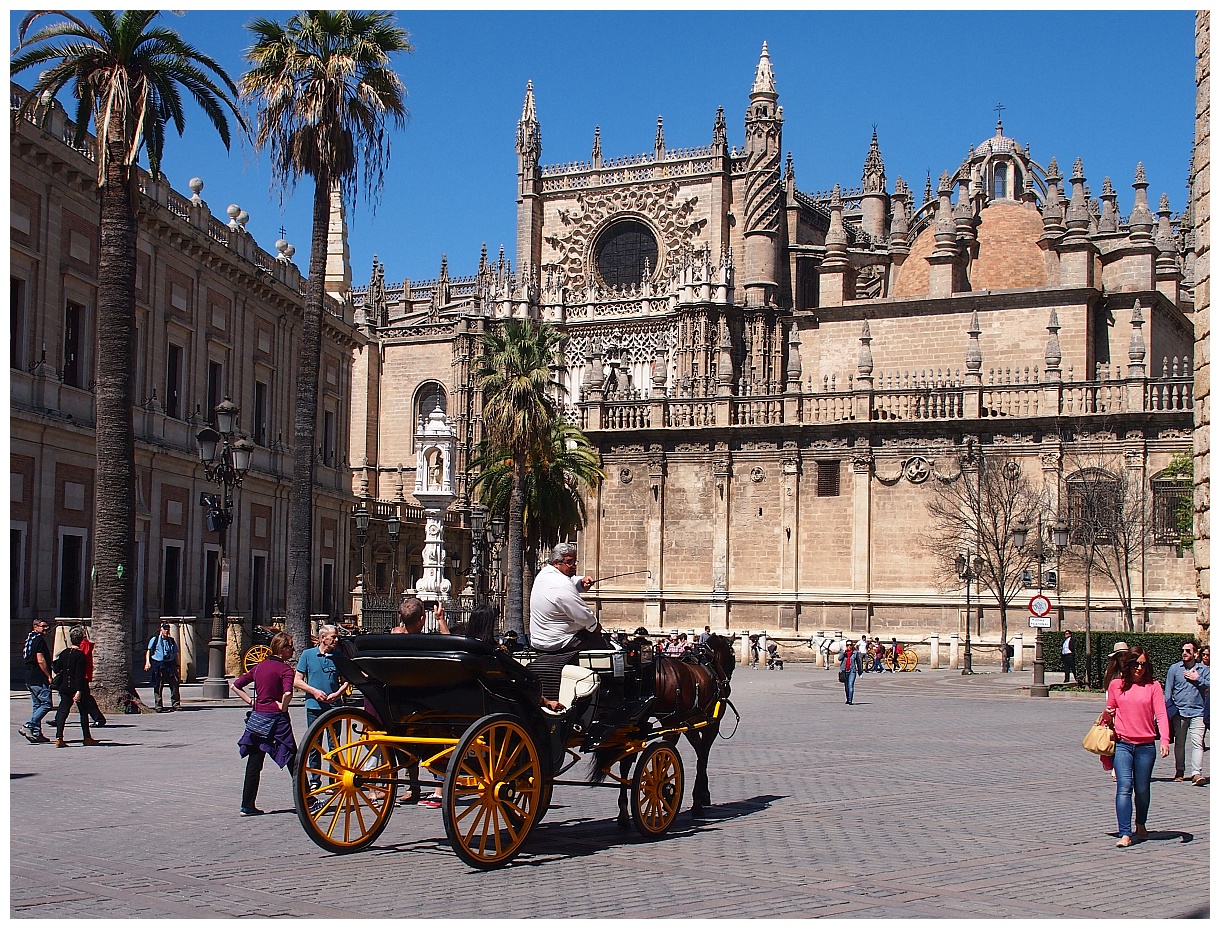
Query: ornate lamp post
[[361, 518], [435, 443], [968, 567], [394, 528], [225, 455], [478, 551]]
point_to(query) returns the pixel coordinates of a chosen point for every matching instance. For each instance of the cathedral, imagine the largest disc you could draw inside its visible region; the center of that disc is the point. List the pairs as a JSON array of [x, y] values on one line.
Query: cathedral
[[776, 379]]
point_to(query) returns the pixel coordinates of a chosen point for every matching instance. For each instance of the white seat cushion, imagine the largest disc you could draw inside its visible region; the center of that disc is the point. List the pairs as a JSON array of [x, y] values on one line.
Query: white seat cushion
[[576, 682], [597, 659]]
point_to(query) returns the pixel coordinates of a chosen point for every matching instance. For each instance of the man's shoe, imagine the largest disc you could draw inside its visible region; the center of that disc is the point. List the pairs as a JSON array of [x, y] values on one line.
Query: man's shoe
[[60, 743], [1141, 832], [251, 811], [29, 736], [40, 737], [1179, 777], [99, 723], [1199, 780], [175, 708], [90, 742]]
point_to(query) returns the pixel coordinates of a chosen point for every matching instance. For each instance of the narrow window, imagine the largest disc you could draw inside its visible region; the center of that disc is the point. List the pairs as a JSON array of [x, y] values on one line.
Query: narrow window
[[173, 381], [71, 574], [260, 413], [17, 335], [171, 581], [216, 389], [328, 438], [1000, 187], [828, 478], [328, 588], [73, 369], [258, 589]]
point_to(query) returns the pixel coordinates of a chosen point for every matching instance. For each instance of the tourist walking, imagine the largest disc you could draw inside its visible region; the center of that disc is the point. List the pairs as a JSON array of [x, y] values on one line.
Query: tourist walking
[[94, 711], [847, 673], [1185, 686], [161, 659], [37, 657], [1135, 707], [69, 667], [268, 729], [1069, 657]]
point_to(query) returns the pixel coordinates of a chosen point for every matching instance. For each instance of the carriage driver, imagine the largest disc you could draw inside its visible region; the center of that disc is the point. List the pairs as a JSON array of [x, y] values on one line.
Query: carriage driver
[[559, 619]]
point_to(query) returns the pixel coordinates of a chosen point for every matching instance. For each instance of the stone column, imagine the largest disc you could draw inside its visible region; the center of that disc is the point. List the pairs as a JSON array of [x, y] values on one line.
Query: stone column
[[934, 647], [861, 518], [655, 521], [790, 468], [1018, 646], [953, 651], [722, 473]]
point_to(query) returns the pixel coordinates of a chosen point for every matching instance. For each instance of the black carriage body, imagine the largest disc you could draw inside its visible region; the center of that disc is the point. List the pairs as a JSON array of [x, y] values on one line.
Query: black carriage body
[[442, 682]]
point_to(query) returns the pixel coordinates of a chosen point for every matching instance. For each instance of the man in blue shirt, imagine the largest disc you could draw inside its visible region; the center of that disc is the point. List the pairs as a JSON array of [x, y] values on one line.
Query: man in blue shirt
[[1185, 685], [318, 677], [161, 658]]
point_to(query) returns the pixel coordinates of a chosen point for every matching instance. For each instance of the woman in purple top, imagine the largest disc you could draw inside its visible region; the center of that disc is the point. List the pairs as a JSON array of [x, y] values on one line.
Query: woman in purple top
[[268, 728]]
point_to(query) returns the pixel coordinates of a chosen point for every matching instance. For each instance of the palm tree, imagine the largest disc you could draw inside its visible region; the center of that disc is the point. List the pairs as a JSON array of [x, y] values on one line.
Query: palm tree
[[127, 76], [555, 479], [324, 91], [519, 411]]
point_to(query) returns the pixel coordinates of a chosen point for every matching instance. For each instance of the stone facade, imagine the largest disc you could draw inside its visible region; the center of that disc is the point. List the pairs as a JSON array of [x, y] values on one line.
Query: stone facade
[[1201, 206], [217, 317], [775, 379]]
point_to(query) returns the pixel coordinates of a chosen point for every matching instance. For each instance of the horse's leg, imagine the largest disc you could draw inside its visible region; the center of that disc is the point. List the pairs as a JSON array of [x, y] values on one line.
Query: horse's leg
[[624, 818], [702, 743]]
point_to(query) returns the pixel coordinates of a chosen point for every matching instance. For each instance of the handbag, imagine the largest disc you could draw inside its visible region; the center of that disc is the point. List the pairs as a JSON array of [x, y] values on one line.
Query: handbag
[[842, 676], [1099, 739]]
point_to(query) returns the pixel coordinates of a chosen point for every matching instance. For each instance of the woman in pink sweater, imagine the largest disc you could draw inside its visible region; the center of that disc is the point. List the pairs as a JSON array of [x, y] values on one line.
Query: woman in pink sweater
[[1135, 707]]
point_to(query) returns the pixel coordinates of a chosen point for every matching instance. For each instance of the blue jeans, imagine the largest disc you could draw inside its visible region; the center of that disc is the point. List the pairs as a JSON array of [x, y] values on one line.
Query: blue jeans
[[40, 695], [1133, 773], [849, 686]]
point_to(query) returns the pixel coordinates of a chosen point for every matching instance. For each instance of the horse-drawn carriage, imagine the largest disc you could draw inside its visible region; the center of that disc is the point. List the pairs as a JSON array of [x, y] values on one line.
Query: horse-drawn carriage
[[471, 715]]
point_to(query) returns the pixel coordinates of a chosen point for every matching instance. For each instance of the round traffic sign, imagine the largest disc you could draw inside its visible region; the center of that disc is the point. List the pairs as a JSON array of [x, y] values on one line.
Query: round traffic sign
[[1039, 605]]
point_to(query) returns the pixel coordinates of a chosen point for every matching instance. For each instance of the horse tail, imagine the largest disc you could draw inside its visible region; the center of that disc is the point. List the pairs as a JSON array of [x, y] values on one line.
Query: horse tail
[[603, 758]]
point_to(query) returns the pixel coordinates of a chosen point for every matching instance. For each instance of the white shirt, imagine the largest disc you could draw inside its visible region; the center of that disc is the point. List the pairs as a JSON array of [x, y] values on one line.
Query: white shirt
[[557, 611]]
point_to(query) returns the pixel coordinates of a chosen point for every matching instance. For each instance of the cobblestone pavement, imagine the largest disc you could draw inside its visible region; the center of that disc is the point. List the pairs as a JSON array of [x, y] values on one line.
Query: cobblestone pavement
[[935, 795]]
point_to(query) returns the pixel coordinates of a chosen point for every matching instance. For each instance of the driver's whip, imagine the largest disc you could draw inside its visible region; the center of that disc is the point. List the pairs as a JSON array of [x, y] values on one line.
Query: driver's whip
[[627, 574]]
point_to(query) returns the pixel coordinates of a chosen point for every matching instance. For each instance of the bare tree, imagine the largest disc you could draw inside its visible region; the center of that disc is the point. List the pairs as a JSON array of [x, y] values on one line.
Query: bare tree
[[975, 512], [1107, 514]]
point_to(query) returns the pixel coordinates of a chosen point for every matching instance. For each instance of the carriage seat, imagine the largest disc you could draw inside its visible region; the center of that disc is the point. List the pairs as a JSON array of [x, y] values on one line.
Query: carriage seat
[[575, 683]]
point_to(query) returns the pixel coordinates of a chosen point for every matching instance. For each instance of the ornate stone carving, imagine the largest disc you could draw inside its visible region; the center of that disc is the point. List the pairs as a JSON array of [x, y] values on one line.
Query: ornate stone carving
[[624, 475], [916, 469], [658, 203], [626, 450], [757, 475], [1050, 460]]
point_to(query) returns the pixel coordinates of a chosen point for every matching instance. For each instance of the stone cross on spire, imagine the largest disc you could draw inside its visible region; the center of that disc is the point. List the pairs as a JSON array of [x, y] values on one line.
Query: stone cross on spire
[[764, 80]]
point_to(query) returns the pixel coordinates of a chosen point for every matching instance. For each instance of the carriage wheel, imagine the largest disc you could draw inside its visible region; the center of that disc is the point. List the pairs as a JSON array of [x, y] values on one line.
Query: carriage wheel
[[656, 790], [254, 654], [347, 812], [908, 660], [889, 661], [494, 791]]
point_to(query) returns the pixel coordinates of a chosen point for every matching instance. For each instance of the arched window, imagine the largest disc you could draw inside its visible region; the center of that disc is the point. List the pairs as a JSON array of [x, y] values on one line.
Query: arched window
[[625, 252], [1094, 505], [999, 187], [1173, 510]]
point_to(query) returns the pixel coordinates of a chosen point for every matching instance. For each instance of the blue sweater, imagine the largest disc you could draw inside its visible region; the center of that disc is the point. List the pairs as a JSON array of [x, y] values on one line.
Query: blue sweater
[[1187, 695]]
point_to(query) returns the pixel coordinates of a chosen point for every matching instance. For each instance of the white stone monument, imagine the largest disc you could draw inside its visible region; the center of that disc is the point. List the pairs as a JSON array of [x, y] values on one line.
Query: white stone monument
[[434, 443]]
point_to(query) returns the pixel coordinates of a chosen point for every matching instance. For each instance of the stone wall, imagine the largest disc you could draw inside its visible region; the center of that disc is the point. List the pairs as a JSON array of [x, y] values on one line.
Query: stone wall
[[1202, 212]]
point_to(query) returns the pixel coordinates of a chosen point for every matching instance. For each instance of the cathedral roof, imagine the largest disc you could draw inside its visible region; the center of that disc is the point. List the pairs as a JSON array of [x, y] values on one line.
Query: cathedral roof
[[1008, 253]]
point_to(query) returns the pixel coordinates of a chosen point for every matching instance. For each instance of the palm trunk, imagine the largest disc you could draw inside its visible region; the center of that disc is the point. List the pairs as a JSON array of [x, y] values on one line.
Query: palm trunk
[[300, 500], [114, 497], [515, 619]]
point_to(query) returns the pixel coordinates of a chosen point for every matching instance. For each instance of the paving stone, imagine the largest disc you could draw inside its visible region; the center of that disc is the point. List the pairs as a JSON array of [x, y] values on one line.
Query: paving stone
[[935, 796]]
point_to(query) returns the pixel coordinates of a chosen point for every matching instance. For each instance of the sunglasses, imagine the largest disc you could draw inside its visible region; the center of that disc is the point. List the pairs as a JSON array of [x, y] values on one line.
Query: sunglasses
[[1141, 664]]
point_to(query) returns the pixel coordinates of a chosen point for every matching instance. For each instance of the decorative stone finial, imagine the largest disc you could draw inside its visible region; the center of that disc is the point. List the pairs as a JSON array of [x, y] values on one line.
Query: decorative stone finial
[[1137, 350], [196, 186], [764, 79], [1053, 355], [864, 364], [974, 353]]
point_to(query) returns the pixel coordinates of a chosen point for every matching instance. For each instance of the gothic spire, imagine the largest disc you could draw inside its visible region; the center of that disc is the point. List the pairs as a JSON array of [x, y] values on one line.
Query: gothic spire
[[529, 132], [874, 168], [659, 144], [720, 130], [597, 145], [764, 79]]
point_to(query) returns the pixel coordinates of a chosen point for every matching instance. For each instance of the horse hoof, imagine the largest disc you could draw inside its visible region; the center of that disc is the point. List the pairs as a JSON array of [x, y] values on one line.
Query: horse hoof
[[623, 823]]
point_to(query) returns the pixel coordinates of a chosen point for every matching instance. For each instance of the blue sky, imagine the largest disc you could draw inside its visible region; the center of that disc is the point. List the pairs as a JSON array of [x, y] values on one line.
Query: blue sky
[[1112, 88]]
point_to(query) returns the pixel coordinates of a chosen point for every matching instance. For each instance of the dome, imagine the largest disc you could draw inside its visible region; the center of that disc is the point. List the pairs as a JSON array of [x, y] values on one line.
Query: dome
[[1008, 253]]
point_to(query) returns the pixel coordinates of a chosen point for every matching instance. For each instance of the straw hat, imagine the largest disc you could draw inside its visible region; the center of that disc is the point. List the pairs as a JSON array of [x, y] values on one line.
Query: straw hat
[[1119, 647]]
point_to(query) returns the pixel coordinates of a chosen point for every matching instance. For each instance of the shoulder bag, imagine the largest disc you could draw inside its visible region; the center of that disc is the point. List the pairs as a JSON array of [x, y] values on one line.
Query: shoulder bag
[[1099, 739]]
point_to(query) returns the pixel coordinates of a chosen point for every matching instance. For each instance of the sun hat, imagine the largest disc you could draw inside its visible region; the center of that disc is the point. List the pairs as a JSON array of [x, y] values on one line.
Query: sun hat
[[1119, 647]]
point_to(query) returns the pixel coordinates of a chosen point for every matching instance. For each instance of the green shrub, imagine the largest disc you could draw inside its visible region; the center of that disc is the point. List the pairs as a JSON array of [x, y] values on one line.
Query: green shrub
[[1164, 648]]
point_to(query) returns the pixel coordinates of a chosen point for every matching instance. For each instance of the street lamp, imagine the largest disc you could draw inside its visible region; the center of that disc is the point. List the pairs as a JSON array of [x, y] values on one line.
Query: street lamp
[[394, 528], [1020, 532], [225, 456], [478, 549], [361, 517], [968, 567]]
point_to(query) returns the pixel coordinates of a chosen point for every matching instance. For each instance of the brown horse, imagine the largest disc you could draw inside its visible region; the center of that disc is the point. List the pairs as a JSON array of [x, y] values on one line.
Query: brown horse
[[687, 690]]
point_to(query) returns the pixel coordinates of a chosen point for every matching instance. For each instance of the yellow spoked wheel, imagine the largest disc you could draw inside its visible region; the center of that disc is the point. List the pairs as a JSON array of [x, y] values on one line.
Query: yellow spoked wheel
[[907, 660], [343, 785], [493, 793], [656, 790], [254, 654]]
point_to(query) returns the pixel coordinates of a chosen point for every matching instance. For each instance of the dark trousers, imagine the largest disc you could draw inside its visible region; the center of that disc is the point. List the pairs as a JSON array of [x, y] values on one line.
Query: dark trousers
[[254, 771], [89, 702], [1069, 667], [65, 707], [161, 676]]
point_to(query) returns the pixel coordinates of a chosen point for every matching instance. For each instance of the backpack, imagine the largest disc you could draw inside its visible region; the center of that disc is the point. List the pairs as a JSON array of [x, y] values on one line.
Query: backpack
[[29, 651], [60, 667]]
